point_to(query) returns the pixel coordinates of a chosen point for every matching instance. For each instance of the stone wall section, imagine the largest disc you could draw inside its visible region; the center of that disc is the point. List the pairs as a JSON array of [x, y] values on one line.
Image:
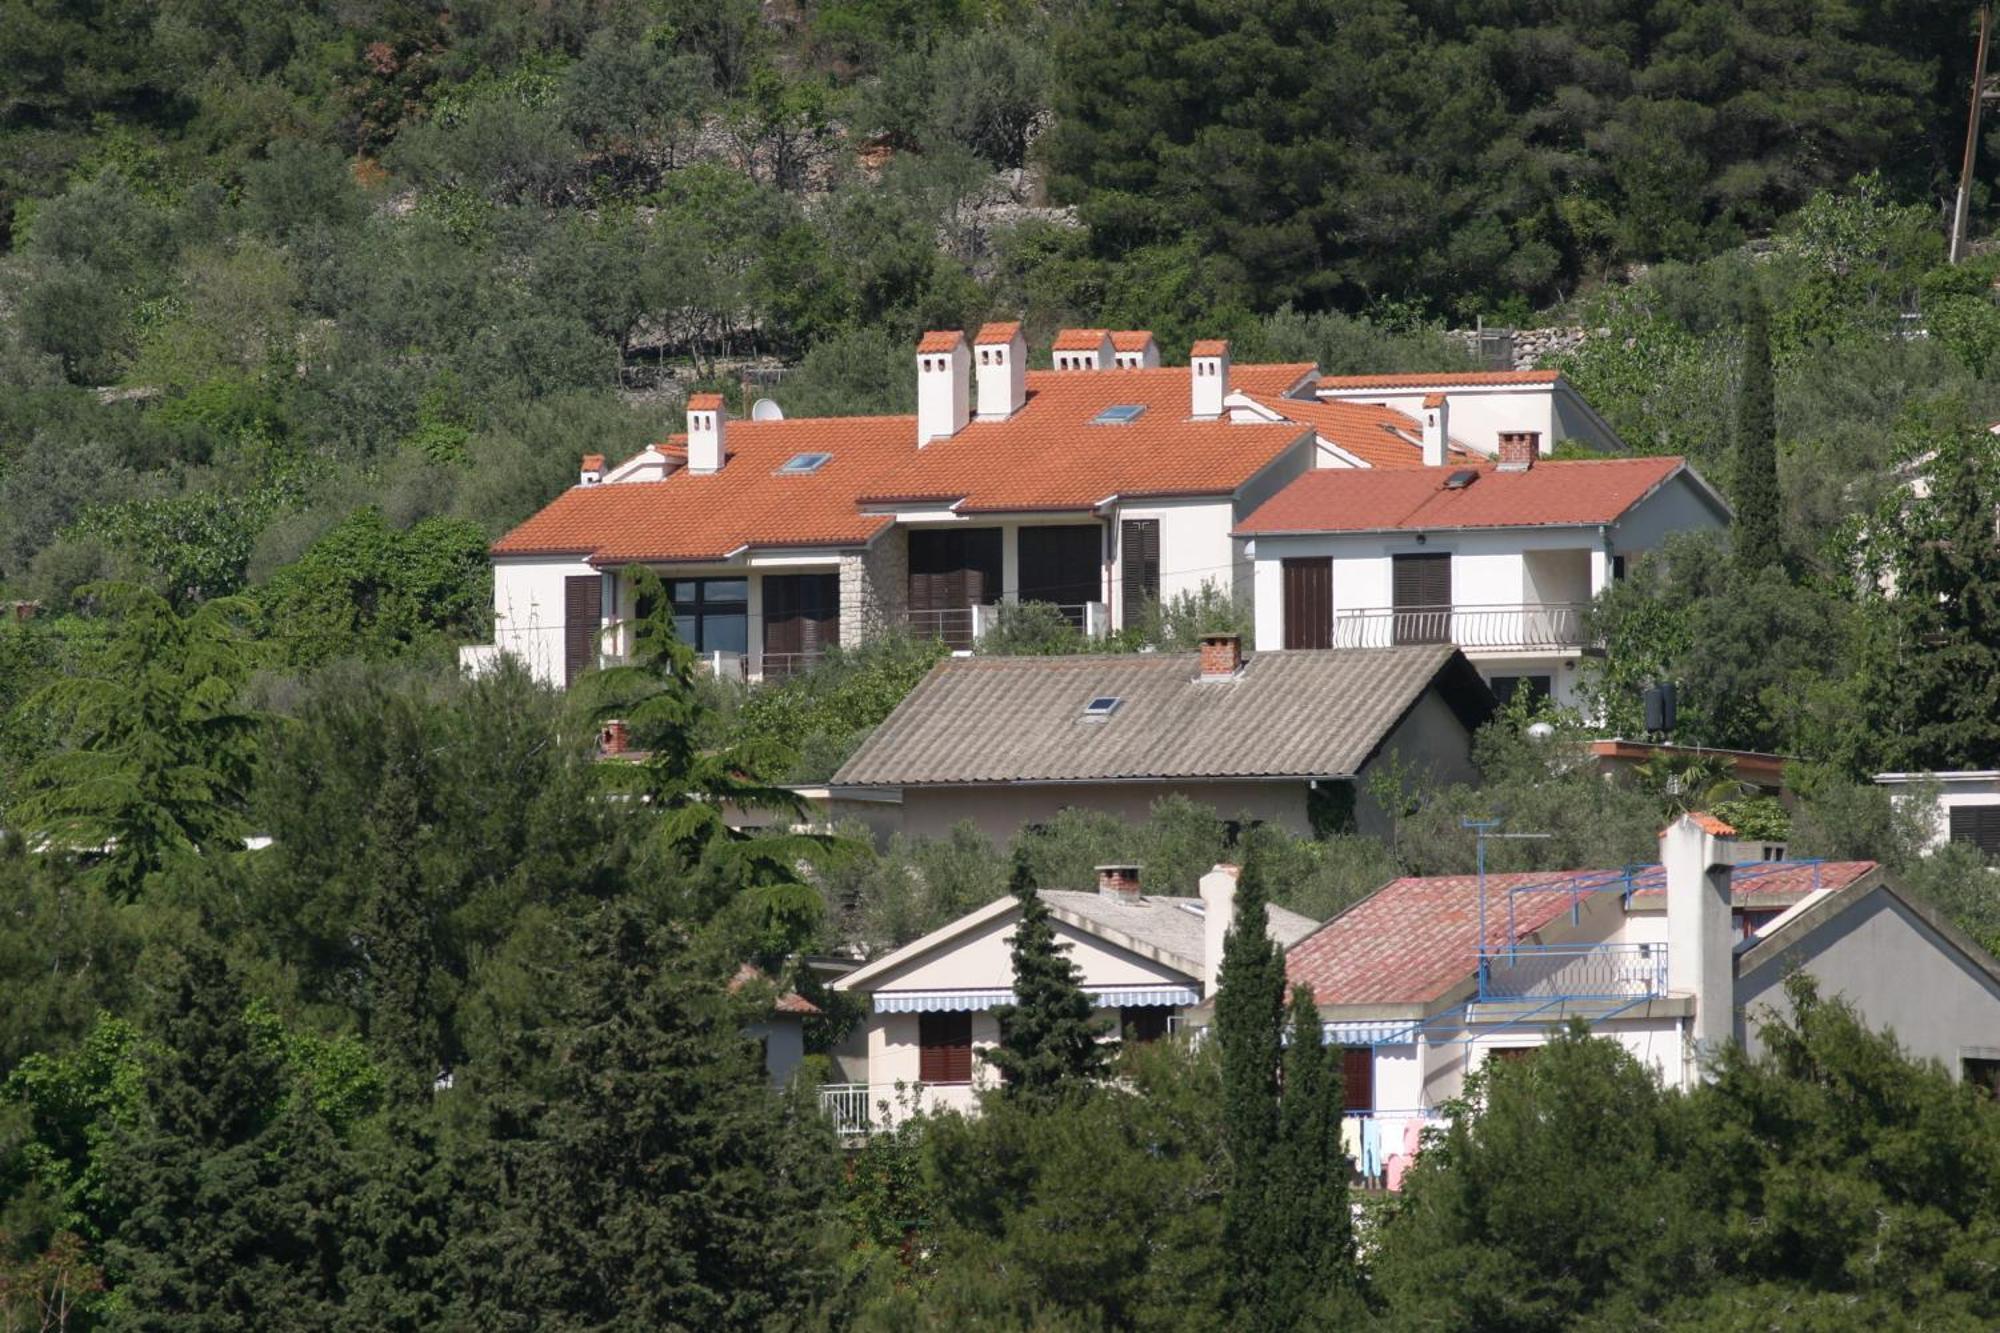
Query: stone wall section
[[874, 587]]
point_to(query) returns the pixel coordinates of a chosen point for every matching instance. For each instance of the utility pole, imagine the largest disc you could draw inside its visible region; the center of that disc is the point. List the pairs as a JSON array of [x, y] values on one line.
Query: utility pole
[[1964, 204]]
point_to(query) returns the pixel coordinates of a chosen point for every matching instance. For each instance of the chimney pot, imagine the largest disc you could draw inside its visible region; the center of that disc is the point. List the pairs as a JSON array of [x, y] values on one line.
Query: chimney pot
[[944, 374], [592, 470], [613, 740], [707, 422], [1208, 375], [1221, 656], [1118, 881], [1519, 449]]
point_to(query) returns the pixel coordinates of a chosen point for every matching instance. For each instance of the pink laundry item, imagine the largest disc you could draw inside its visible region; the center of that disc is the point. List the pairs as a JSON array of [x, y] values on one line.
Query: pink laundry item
[[1413, 1137], [1393, 1171]]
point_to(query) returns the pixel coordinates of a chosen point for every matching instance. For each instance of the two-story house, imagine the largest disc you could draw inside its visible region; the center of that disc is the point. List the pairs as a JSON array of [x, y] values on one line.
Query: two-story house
[[1500, 559]]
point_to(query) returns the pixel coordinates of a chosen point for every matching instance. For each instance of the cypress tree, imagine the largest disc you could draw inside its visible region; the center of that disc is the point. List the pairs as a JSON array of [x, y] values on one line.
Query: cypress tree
[[1248, 1021], [1049, 1044], [1313, 1257], [1757, 498]]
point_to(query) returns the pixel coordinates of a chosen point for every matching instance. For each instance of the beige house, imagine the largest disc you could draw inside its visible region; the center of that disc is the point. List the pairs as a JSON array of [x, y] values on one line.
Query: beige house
[[1286, 738], [1143, 959]]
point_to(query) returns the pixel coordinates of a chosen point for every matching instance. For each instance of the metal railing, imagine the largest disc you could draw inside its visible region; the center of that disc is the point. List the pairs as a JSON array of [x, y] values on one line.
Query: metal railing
[[777, 666], [1553, 625], [1573, 972], [964, 626], [848, 1106]]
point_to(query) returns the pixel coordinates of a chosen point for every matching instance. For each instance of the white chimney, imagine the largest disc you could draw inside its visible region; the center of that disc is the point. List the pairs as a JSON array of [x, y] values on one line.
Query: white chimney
[[1218, 910], [1001, 354], [706, 422], [1437, 429], [1134, 349], [592, 471], [944, 372], [1697, 853], [1208, 370], [1082, 349]]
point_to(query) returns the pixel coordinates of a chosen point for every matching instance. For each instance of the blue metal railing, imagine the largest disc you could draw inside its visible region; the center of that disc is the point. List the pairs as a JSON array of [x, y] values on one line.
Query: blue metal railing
[[1572, 971]]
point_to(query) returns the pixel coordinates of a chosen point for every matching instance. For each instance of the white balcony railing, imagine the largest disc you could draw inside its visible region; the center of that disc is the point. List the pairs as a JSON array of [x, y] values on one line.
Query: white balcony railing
[[1535, 625], [964, 626], [865, 1108]]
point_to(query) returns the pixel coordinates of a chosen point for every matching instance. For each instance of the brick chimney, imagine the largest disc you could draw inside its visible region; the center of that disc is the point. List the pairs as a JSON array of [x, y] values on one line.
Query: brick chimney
[[1120, 882], [1519, 449], [612, 739], [1208, 372], [944, 374], [707, 420], [592, 471], [1001, 355], [1218, 913], [1221, 656], [1437, 429]]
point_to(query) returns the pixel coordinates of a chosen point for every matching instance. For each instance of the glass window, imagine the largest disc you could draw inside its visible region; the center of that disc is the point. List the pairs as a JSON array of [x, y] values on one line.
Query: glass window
[[712, 615]]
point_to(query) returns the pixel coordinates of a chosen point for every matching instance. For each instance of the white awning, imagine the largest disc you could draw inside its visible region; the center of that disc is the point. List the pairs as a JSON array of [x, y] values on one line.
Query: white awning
[[962, 1001], [1381, 1032]]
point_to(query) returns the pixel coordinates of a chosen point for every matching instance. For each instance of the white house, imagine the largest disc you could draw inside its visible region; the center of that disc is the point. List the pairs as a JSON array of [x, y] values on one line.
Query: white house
[[1965, 804], [1501, 560], [1476, 408], [1428, 979], [1144, 959]]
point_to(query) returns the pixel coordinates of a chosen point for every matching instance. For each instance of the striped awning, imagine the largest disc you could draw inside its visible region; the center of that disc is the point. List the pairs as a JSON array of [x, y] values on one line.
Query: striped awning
[[962, 1001], [1379, 1032]]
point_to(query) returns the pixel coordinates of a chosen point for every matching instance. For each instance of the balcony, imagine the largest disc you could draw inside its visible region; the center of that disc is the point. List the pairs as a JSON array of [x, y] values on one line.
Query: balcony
[[1573, 972], [964, 626], [858, 1109], [1530, 627]]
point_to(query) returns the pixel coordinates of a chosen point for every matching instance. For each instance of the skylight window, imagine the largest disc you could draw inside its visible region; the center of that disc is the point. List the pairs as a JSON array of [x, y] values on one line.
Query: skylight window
[[1119, 414], [800, 464], [1104, 705], [1460, 479]]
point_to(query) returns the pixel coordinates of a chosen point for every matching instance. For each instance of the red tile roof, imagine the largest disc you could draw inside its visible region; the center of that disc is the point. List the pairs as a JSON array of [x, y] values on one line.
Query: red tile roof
[[1582, 491], [1414, 939], [1079, 340], [790, 1002], [1210, 347], [1449, 378], [1046, 456], [704, 402], [593, 462], [1131, 340], [1380, 437], [1002, 332], [940, 340]]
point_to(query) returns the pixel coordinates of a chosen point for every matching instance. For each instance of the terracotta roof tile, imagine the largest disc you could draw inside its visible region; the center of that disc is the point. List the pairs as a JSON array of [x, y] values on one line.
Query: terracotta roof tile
[[1444, 378], [1079, 340], [1413, 940], [1001, 332], [1131, 340], [1046, 456], [1566, 493], [704, 402], [940, 340], [1210, 347], [1380, 437], [789, 1002], [1433, 400], [593, 462]]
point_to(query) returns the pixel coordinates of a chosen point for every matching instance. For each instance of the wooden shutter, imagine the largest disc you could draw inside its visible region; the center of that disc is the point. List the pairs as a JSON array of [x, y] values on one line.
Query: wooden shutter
[[801, 619], [1063, 565], [583, 619], [1139, 568], [1422, 595], [1978, 825], [1357, 1077], [950, 572], [1309, 603], [944, 1048]]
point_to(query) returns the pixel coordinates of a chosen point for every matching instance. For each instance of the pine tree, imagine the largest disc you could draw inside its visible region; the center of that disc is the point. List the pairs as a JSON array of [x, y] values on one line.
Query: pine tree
[[1313, 1258], [1049, 1044], [1758, 502], [1248, 1024], [400, 931]]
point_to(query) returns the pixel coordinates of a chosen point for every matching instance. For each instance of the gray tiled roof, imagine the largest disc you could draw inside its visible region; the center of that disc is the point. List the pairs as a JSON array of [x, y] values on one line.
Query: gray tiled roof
[[1172, 925], [1289, 714]]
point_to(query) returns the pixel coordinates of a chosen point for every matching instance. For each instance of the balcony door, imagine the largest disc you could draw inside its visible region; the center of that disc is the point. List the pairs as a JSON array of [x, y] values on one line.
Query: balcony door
[[801, 620], [583, 619], [1063, 565], [951, 571], [1139, 566], [1309, 603], [1422, 596]]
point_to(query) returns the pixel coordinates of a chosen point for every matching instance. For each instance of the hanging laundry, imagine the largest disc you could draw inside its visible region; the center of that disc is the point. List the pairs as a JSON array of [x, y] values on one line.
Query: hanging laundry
[[1371, 1148], [1350, 1138]]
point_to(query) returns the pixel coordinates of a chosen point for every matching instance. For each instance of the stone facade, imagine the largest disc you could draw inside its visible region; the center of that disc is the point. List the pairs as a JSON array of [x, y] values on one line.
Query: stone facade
[[1522, 349], [874, 587]]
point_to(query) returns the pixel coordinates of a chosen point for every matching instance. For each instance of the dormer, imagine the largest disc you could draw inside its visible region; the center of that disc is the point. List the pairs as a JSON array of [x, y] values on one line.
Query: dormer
[[707, 419], [1134, 349], [944, 372], [653, 463], [1000, 359], [1082, 349]]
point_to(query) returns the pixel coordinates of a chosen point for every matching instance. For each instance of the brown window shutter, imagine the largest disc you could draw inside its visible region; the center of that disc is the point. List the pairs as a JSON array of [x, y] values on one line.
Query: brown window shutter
[[1308, 602], [1357, 1077], [1421, 591], [1139, 567], [944, 1048], [1978, 825], [583, 619]]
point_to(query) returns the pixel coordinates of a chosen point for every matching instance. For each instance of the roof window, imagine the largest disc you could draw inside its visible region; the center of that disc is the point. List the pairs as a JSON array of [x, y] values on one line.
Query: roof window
[[800, 464], [1460, 479], [1119, 414], [1104, 705]]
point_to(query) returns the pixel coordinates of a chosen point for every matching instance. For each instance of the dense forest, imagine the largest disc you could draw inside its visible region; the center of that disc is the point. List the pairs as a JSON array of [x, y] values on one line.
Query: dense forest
[[303, 304]]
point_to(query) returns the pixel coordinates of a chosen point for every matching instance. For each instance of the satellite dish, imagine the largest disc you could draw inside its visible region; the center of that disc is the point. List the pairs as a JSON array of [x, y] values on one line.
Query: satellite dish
[[766, 410], [1540, 731]]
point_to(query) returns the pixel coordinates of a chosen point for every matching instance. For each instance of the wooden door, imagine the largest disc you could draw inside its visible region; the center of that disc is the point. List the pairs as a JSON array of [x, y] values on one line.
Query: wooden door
[[1422, 596], [583, 621], [952, 571], [1063, 565], [1357, 1077], [1308, 602], [801, 620], [1139, 568]]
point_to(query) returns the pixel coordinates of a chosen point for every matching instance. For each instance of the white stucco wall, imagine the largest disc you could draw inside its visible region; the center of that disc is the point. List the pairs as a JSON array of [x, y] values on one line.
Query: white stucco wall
[[999, 812], [528, 611], [1898, 971], [1951, 789], [1195, 547]]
